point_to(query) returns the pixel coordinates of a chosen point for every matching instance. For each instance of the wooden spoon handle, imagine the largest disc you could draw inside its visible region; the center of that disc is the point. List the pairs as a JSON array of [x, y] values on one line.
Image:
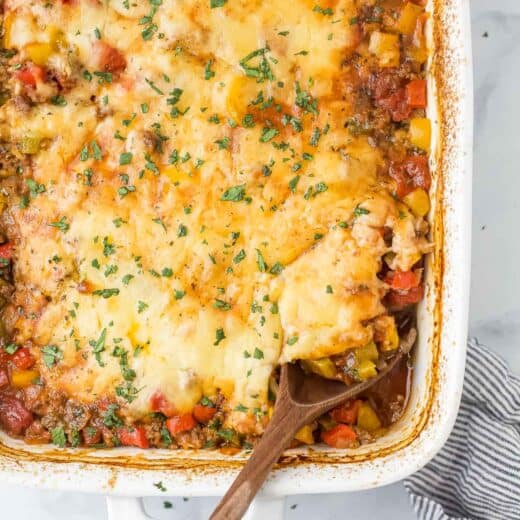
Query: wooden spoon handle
[[286, 421]]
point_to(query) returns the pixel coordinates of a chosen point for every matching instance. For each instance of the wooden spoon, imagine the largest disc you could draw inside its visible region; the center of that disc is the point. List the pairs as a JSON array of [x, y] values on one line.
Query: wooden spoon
[[301, 398]]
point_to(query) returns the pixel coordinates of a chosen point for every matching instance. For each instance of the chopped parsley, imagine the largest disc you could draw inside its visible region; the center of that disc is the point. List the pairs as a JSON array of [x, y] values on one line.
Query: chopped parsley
[[239, 257], [262, 266], [51, 354], [358, 211], [223, 144], [61, 224], [58, 437], [261, 70], [34, 188], [222, 305], [208, 73], [98, 346], [11, 348], [182, 230], [234, 194], [125, 158], [110, 418], [106, 293], [58, 101], [219, 336], [268, 134], [179, 295], [325, 11], [293, 183]]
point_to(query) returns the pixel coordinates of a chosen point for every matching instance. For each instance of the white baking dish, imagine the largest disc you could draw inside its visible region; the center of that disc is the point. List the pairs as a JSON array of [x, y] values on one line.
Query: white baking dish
[[439, 355]]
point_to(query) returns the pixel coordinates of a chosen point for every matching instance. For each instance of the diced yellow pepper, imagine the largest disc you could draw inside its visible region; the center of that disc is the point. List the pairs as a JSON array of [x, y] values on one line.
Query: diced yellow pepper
[[368, 352], [305, 434], [367, 418], [23, 378], [324, 367], [386, 48], [391, 337], [418, 201], [39, 53], [366, 369], [408, 18], [421, 132], [29, 145], [7, 25]]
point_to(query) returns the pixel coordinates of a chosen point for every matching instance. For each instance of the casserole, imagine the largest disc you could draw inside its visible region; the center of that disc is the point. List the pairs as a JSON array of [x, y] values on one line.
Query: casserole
[[440, 353]]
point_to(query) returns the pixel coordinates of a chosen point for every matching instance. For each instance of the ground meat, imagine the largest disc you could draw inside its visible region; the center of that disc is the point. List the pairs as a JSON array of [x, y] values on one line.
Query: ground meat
[[76, 416], [36, 433], [192, 439]]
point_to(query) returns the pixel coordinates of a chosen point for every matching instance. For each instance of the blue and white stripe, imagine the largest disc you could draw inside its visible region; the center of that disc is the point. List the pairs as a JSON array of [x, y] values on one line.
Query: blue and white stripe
[[476, 475]]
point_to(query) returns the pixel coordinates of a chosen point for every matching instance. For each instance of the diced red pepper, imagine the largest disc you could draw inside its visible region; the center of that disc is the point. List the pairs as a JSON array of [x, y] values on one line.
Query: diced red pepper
[[410, 174], [109, 58], [30, 75], [416, 93], [346, 413], [6, 251], [23, 359], [341, 436], [403, 280], [4, 379], [204, 414], [14, 417], [133, 437], [91, 436], [159, 403], [181, 423], [401, 299]]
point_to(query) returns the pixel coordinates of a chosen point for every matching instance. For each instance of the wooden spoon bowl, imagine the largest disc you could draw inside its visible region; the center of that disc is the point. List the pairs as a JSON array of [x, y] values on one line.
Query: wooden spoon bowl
[[302, 397]]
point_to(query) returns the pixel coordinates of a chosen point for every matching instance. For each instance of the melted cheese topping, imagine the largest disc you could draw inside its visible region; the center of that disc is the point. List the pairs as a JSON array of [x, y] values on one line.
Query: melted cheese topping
[[134, 247]]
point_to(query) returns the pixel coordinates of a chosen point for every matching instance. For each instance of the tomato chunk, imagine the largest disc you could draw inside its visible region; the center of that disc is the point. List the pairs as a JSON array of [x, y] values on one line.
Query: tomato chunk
[[6, 251], [109, 58], [401, 299], [347, 413], [416, 93], [410, 174], [30, 75], [341, 436], [204, 414], [23, 359], [181, 423], [159, 403], [14, 417], [133, 437], [403, 280]]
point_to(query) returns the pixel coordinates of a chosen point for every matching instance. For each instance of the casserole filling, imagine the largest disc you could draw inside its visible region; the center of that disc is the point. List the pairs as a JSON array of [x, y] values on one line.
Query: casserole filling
[[195, 192]]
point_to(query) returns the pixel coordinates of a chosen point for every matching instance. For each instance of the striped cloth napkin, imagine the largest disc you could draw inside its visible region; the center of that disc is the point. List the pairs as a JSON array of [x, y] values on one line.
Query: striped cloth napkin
[[476, 475]]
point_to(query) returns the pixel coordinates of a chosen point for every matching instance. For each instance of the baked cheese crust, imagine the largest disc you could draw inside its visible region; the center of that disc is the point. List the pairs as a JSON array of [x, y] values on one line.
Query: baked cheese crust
[[198, 209]]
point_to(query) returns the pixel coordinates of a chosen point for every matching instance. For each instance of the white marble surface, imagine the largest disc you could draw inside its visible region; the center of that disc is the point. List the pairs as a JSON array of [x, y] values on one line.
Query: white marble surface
[[495, 310]]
